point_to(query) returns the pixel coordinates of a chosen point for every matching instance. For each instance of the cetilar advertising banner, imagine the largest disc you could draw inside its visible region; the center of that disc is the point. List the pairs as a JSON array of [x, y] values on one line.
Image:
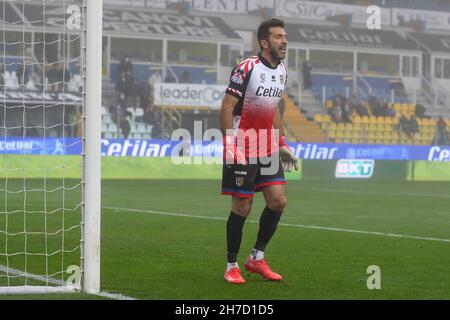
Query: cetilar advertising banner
[[167, 148]]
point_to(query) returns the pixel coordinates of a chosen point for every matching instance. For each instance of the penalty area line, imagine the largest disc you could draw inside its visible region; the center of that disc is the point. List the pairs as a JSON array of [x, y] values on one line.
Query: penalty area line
[[371, 233], [50, 280]]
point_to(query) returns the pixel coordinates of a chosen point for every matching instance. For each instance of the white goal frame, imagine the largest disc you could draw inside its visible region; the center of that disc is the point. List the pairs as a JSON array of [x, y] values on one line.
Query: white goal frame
[[91, 70]]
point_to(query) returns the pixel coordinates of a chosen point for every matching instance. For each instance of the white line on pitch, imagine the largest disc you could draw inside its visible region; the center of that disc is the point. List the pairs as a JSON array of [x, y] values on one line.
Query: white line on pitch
[[394, 194], [16, 272], [372, 233]]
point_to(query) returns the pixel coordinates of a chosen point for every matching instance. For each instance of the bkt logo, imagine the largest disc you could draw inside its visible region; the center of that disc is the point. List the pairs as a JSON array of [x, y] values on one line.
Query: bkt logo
[[354, 168]]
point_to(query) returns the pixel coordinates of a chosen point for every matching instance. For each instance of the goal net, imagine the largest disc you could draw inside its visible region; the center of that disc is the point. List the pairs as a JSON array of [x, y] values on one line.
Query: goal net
[[49, 240]]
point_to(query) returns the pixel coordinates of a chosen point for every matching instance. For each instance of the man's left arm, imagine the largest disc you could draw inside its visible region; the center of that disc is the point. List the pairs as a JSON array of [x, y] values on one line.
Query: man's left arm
[[289, 161]]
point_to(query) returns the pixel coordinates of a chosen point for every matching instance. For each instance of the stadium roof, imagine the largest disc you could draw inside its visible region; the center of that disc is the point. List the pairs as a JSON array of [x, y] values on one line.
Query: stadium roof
[[436, 43], [345, 37], [126, 22]]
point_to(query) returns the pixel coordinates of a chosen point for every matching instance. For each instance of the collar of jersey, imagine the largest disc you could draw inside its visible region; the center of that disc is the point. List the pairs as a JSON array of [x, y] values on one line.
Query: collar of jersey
[[267, 63]]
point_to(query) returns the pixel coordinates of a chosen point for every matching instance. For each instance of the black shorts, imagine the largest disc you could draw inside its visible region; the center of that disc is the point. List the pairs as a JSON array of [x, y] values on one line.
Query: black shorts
[[243, 181]]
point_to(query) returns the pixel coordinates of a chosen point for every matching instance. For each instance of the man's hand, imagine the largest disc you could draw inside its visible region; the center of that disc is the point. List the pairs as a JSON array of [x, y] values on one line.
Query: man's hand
[[288, 160], [233, 155]]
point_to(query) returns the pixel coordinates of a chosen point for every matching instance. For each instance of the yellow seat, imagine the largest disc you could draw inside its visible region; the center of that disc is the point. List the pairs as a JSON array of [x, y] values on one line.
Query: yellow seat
[[318, 118], [365, 120], [380, 120], [356, 119], [332, 134], [356, 134]]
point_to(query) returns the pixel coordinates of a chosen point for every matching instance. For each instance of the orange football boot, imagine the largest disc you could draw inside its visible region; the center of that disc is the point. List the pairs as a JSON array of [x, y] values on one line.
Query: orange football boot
[[261, 267], [234, 276]]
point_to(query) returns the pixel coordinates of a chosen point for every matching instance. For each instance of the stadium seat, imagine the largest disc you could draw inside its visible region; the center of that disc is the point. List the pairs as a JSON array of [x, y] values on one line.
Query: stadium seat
[[318, 118], [356, 119], [365, 120]]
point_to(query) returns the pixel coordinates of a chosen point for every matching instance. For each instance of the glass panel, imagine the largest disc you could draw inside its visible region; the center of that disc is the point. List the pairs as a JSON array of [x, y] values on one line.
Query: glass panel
[[415, 67], [12, 43], [193, 53], [378, 64], [447, 68], [438, 68], [301, 57], [137, 50], [292, 63], [406, 66], [230, 55], [330, 61]]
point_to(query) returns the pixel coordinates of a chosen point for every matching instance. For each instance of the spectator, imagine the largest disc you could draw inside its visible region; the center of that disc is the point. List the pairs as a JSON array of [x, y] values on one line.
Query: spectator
[[22, 75], [399, 88], [125, 87], [144, 95], [154, 79], [125, 66], [63, 76], [185, 77], [306, 71], [391, 112], [336, 111], [420, 111], [2, 75], [412, 127], [170, 79], [157, 131], [52, 77], [149, 117], [72, 119], [375, 106], [442, 135], [125, 125]]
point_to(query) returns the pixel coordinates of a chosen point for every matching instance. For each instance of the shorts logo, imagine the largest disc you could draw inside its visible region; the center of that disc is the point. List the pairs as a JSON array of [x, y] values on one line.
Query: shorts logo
[[239, 181], [263, 77]]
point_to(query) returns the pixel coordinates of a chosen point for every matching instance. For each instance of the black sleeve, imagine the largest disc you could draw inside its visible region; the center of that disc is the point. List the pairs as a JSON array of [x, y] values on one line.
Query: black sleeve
[[237, 84]]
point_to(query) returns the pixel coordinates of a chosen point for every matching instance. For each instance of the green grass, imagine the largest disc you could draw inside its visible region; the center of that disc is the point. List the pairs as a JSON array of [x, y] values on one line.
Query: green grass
[[155, 256]]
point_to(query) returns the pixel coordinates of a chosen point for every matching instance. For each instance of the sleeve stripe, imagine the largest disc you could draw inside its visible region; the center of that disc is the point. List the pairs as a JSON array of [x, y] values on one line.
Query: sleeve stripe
[[235, 91]]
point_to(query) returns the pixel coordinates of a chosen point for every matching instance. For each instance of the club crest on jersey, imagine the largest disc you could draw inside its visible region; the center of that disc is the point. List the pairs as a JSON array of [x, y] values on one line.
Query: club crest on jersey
[[274, 79], [239, 181], [237, 78], [263, 77], [281, 78]]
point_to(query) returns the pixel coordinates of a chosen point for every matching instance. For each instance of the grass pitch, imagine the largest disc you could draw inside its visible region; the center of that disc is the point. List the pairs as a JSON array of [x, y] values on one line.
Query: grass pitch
[[165, 239]]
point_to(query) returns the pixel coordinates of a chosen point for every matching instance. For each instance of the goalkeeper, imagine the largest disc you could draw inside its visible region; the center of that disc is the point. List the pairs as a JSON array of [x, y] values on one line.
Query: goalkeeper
[[249, 117]]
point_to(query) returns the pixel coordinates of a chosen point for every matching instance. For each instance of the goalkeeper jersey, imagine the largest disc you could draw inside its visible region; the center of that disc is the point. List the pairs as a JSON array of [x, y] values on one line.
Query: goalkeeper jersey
[[259, 88]]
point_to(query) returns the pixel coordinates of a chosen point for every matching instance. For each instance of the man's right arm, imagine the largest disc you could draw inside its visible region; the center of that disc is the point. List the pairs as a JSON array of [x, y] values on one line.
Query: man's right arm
[[226, 113], [232, 153]]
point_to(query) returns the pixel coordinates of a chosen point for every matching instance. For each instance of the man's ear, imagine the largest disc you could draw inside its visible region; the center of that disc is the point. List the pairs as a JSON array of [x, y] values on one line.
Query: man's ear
[[264, 43]]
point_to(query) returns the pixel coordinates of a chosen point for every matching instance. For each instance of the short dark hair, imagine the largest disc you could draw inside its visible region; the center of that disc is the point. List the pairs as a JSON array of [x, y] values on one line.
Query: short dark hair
[[264, 28]]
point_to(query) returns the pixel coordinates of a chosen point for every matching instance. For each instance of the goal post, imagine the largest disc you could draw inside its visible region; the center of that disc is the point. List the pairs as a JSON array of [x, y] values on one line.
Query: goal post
[[50, 146], [92, 150]]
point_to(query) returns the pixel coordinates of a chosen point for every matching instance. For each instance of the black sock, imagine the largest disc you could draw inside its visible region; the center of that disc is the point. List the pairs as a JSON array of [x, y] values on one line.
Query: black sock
[[267, 225], [234, 235]]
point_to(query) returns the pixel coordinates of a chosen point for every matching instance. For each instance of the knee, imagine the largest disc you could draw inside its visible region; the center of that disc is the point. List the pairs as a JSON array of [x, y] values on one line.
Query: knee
[[242, 207], [278, 203]]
